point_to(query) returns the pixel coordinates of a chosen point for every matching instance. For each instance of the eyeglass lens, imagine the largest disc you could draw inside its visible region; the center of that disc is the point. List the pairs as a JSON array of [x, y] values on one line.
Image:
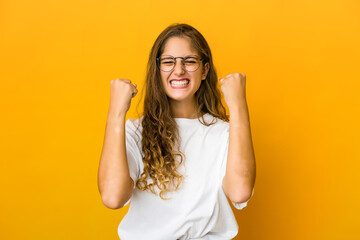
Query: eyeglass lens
[[191, 64]]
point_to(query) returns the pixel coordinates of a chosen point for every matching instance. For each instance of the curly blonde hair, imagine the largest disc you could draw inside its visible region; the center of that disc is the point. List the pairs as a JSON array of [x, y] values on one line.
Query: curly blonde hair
[[160, 132]]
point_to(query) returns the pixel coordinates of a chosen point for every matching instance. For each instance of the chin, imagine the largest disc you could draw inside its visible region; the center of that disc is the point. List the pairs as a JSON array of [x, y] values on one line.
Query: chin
[[178, 98]]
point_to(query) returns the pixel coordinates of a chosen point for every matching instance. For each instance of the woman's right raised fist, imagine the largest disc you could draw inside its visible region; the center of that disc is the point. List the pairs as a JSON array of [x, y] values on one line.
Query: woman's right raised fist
[[121, 92]]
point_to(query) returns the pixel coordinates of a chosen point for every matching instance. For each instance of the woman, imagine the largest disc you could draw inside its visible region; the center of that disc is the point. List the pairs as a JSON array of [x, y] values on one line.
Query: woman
[[184, 156]]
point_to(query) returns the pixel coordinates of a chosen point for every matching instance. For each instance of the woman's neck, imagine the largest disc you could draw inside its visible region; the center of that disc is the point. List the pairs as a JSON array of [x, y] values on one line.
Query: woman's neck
[[183, 109]]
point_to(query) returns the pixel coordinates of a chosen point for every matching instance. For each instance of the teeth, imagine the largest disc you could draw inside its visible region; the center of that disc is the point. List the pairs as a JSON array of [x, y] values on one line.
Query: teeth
[[179, 83]]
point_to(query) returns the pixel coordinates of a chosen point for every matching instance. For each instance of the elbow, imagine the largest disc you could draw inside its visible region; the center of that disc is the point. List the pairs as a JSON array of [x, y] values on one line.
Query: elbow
[[240, 196], [237, 193], [118, 197], [113, 202]]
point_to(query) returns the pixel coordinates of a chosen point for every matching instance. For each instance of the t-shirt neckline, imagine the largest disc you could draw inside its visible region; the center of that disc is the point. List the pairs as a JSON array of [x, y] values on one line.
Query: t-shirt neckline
[[206, 116]]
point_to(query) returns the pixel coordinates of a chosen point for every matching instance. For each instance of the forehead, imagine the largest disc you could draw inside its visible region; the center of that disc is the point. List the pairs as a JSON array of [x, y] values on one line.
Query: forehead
[[179, 47]]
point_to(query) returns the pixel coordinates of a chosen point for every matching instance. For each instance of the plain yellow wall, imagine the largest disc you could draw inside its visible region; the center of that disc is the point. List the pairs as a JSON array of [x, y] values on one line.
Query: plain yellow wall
[[302, 63]]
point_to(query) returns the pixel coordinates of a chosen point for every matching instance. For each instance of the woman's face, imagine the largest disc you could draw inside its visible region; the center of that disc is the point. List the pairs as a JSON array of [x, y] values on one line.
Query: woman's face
[[173, 81]]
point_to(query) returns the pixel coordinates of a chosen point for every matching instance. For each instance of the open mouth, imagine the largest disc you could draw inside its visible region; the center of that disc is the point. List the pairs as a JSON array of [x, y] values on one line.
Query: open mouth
[[179, 83]]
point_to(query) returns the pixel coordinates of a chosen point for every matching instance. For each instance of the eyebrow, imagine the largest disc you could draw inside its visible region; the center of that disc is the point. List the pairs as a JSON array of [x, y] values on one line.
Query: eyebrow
[[184, 57]]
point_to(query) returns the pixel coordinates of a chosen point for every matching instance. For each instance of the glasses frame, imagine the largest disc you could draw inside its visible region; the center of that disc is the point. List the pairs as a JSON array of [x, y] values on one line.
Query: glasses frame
[[182, 62]]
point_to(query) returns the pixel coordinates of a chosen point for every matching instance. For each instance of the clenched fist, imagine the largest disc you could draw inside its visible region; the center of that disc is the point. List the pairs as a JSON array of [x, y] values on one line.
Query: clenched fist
[[121, 92], [233, 87]]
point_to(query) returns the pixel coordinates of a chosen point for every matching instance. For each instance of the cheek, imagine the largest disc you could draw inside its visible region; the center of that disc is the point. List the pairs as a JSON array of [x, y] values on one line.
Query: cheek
[[164, 78], [198, 78]]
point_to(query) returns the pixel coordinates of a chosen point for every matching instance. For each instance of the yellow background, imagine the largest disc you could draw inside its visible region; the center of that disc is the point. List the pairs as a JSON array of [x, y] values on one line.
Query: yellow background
[[302, 62]]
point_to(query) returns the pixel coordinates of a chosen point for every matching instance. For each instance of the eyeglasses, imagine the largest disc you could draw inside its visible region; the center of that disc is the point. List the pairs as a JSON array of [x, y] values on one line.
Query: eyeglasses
[[167, 63]]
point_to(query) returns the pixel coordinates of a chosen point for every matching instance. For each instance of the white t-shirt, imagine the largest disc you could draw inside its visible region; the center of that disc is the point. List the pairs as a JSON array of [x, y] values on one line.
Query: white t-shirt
[[199, 209]]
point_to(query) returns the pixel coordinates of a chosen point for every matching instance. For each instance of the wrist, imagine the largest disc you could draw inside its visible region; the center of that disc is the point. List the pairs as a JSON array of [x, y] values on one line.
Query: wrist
[[116, 116], [238, 108], [239, 114]]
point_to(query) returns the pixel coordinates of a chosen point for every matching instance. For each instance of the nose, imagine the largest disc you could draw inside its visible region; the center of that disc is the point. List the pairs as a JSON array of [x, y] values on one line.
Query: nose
[[179, 67]]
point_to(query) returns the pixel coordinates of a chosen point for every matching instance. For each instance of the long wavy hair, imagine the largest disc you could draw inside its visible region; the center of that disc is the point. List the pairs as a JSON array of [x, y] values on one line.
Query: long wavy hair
[[160, 134]]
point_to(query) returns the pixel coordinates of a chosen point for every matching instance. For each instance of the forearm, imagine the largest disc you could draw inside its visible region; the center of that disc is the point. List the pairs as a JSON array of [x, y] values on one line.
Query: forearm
[[241, 167], [114, 181]]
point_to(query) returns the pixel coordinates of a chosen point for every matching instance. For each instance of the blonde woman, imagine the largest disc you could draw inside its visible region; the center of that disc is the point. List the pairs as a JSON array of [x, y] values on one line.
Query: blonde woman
[[178, 163]]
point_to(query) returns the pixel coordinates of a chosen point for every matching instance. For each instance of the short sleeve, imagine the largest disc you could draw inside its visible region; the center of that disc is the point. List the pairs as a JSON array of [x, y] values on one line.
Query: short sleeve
[[223, 170], [133, 151]]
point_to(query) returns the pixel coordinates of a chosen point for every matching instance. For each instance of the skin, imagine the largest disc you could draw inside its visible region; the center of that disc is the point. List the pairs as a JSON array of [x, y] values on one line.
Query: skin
[[182, 101], [115, 184], [239, 179]]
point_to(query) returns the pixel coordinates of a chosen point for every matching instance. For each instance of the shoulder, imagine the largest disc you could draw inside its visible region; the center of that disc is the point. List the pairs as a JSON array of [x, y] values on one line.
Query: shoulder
[[218, 128], [217, 122], [133, 126], [134, 122]]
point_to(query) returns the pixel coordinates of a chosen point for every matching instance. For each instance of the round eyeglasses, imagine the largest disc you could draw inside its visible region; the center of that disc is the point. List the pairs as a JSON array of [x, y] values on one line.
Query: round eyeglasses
[[167, 63]]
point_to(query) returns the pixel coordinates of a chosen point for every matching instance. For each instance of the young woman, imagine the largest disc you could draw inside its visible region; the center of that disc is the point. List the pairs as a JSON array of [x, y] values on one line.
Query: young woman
[[184, 156]]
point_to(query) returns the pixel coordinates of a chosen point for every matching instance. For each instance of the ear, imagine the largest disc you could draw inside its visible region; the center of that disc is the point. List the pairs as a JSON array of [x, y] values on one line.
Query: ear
[[205, 71]]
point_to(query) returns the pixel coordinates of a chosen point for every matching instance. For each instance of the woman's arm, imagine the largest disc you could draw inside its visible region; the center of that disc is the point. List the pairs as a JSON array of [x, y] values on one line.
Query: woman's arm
[[240, 174], [115, 184], [239, 178]]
